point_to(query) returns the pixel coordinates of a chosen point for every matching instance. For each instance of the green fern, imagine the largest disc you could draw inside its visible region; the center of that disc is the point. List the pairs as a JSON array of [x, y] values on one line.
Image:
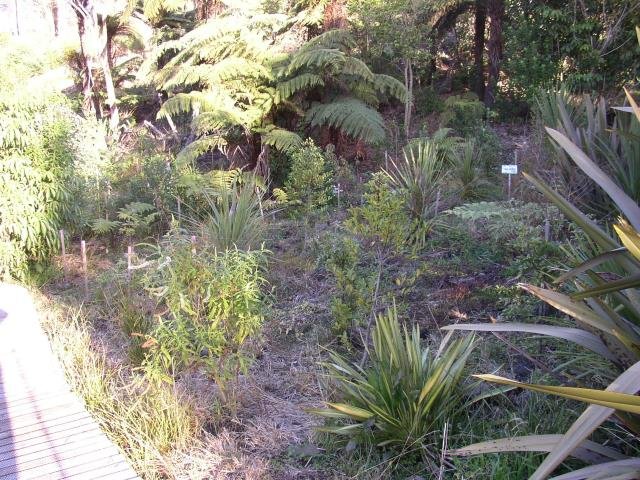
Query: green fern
[[102, 226], [325, 58], [303, 81], [199, 147], [282, 140], [351, 116]]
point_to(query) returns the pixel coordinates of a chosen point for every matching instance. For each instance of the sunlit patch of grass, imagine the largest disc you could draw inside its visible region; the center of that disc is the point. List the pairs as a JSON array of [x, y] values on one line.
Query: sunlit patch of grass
[[146, 420]]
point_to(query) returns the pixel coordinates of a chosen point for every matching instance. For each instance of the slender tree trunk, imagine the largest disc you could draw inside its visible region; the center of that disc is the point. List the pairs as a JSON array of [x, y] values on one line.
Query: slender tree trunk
[[91, 102], [206, 9], [495, 12], [478, 47], [53, 5], [408, 104], [103, 60], [335, 15], [15, 3], [433, 53]]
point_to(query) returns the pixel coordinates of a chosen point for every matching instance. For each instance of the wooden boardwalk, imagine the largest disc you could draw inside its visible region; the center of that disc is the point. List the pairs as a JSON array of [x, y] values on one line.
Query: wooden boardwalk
[[45, 431]]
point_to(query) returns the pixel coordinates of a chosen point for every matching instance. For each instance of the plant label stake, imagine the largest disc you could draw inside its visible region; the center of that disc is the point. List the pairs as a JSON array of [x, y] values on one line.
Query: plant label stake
[[193, 244], [259, 202], [547, 230], [62, 246], [129, 258], [83, 252], [179, 210], [509, 170]]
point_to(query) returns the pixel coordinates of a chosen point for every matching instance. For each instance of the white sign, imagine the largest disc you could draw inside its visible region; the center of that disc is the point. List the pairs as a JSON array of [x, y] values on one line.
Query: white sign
[[510, 169]]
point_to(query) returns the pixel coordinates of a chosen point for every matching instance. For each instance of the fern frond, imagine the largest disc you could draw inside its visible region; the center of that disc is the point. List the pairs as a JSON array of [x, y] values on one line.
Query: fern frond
[[216, 120], [199, 147], [365, 92], [321, 57], [300, 82], [391, 86], [333, 39], [153, 9], [282, 140], [351, 116], [206, 101], [355, 66]]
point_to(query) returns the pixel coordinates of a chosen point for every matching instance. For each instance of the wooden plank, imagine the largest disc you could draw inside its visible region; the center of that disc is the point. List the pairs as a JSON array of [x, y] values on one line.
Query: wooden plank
[[27, 433], [109, 472], [24, 451], [61, 456], [38, 405], [55, 413], [47, 437]]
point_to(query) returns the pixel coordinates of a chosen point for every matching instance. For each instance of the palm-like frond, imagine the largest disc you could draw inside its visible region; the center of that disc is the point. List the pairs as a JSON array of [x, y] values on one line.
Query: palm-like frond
[[303, 81], [391, 86], [349, 115], [321, 58], [198, 147], [282, 139]]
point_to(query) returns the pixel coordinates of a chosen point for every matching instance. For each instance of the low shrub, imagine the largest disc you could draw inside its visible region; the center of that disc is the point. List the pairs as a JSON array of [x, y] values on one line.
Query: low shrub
[[463, 113], [309, 185], [404, 397], [212, 303]]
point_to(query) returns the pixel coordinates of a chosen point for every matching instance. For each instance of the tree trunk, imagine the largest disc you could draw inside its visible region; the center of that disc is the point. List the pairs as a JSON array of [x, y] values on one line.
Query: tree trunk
[[53, 5], [206, 9], [15, 3], [408, 104], [433, 53], [335, 15], [105, 64], [91, 102], [495, 12], [478, 47]]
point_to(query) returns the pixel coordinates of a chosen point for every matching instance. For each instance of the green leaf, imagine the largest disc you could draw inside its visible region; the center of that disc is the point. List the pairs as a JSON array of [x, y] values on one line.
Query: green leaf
[[625, 203], [576, 335], [587, 451]]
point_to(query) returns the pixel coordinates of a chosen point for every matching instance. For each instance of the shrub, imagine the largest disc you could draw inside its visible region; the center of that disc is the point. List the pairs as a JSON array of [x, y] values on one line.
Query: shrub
[[354, 285], [234, 219], [426, 100], [381, 221], [38, 185], [417, 178], [406, 394], [213, 304], [463, 113], [309, 186]]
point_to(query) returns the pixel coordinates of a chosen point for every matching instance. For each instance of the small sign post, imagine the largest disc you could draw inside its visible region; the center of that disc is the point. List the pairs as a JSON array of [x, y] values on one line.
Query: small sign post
[[509, 170]]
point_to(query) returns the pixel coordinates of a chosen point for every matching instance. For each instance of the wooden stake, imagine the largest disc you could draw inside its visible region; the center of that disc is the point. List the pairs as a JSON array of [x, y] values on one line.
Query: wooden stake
[[193, 244], [260, 202], [129, 258], [62, 245], [83, 252], [437, 201], [547, 230]]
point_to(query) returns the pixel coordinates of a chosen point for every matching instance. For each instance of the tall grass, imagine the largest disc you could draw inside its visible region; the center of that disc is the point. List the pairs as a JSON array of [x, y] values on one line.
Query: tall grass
[[147, 421]]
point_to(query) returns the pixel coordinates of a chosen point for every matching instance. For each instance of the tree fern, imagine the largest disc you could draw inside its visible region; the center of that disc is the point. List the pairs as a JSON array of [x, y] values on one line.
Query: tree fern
[[198, 147], [321, 57], [355, 66], [349, 115], [391, 86], [303, 81], [282, 139]]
